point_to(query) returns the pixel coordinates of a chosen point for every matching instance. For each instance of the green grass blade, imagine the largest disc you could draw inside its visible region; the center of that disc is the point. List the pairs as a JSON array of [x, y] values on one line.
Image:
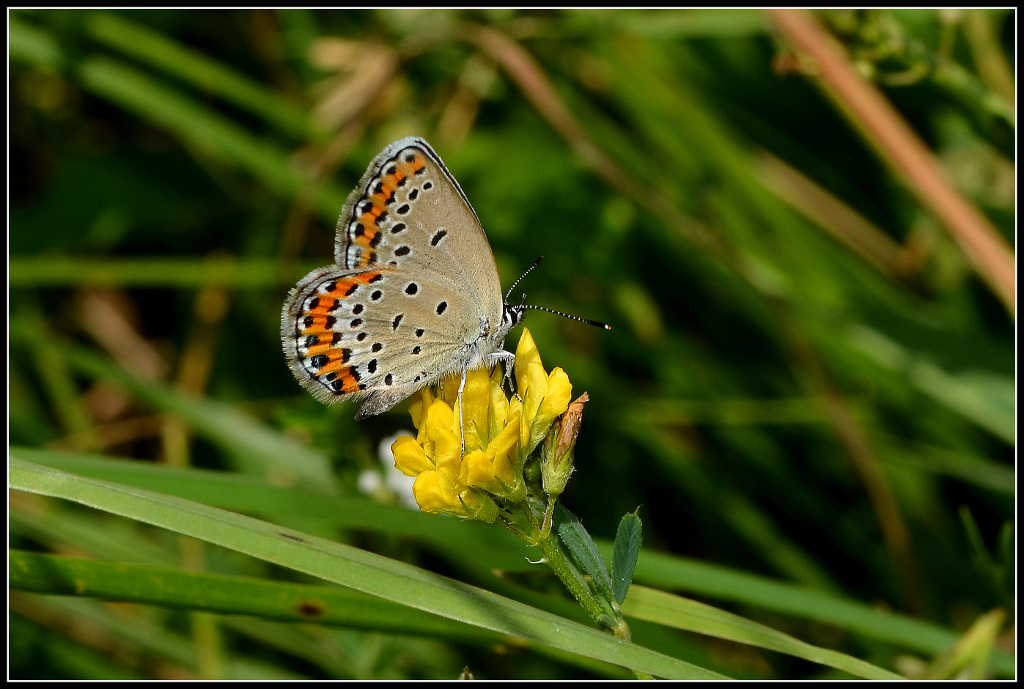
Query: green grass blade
[[180, 273], [285, 601], [681, 613], [200, 127], [495, 549], [145, 638], [670, 572], [154, 49], [341, 564], [250, 443], [28, 44]]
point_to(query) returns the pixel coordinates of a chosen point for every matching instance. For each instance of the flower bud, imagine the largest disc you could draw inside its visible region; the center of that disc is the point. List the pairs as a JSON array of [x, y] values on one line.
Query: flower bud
[[556, 461]]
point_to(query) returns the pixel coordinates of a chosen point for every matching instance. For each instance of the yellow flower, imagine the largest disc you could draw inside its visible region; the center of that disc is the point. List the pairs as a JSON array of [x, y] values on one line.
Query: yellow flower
[[499, 433], [545, 397]]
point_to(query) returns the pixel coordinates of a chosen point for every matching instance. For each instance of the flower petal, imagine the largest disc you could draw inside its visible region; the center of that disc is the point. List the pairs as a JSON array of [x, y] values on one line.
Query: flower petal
[[410, 457], [475, 399], [429, 494], [477, 471], [526, 353], [499, 403], [449, 388], [556, 400], [447, 447], [536, 387], [506, 439], [418, 405]]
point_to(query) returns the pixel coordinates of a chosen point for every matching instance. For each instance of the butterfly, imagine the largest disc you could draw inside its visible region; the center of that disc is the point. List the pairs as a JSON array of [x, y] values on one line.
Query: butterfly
[[413, 296]]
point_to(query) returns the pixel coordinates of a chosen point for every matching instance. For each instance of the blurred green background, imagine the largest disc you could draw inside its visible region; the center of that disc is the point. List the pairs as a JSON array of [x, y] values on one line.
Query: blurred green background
[[806, 380]]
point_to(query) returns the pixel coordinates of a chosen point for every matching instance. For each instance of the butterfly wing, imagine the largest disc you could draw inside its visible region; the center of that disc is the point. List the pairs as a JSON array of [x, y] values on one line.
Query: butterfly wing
[[414, 297], [409, 212], [378, 334]]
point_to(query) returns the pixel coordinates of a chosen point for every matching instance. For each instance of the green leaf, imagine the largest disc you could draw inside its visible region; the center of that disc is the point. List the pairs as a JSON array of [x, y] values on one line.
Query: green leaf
[[469, 541], [198, 70], [177, 272], [984, 396], [28, 44], [625, 552], [252, 444], [348, 566], [202, 128], [286, 601], [583, 549], [142, 635], [672, 572], [668, 609]]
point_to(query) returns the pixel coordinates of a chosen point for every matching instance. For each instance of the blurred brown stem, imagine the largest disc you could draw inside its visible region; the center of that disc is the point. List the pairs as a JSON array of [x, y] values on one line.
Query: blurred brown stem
[[831, 214], [904, 151]]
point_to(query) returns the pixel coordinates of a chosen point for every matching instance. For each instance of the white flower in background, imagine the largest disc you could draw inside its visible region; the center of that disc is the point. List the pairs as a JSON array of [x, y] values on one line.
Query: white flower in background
[[388, 484]]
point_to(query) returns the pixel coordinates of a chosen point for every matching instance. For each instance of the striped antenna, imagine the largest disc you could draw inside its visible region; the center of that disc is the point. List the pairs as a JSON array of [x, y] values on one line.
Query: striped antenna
[[598, 324], [524, 305], [528, 271]]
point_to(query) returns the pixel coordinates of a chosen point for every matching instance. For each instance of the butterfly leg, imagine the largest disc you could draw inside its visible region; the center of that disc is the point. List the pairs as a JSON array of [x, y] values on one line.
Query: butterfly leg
[[462, 428], [508, 360]]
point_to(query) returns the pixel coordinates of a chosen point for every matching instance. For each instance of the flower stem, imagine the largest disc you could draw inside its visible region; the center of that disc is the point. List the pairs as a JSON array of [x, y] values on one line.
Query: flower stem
[[563, 567], [545, 529], [566, 570]]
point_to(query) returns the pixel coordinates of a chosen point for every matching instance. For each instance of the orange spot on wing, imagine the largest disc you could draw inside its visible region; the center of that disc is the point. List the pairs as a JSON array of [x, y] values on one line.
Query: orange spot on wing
[[322, 309], [343, 286], [336, 363], [388, 184], [319, 324], [319, 348], [369, 219], [415, 166], [320, 318], [368, 233], [348, 381], [391, 182]]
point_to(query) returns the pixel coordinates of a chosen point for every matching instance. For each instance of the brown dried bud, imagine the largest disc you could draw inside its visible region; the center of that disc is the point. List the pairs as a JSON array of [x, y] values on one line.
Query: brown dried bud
[[556, 462]]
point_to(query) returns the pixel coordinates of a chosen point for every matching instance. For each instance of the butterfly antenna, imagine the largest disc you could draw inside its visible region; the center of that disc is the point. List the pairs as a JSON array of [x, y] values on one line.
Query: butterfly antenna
[[528, 271], [524, 305], [598, 324]]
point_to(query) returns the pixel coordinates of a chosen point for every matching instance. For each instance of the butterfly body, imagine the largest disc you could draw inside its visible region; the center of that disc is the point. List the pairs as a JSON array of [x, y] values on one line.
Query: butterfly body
[[414, 294]]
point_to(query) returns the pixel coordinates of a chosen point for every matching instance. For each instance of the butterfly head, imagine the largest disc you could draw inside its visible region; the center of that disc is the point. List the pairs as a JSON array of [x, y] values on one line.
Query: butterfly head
[[513, 314]]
